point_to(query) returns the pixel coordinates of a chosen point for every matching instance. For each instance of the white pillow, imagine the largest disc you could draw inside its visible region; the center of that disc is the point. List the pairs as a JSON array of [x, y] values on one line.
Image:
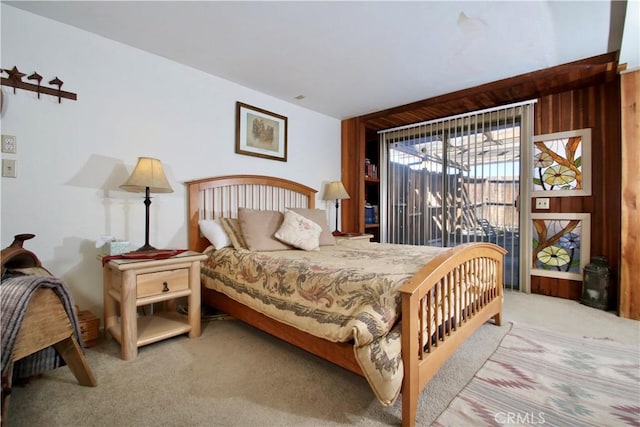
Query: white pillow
[[299, 232], [213, 231]]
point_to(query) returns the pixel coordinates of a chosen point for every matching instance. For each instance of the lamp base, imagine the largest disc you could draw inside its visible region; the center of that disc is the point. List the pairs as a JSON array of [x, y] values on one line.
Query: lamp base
[[146, 247]]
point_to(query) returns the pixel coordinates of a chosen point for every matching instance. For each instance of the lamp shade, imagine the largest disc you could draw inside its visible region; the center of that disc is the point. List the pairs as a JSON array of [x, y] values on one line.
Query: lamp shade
[[335, 190], [147, 173]]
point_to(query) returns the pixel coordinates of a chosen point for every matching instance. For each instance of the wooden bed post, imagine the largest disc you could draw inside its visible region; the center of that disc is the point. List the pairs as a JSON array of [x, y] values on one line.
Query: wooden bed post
[[410, 353], [498, 317]]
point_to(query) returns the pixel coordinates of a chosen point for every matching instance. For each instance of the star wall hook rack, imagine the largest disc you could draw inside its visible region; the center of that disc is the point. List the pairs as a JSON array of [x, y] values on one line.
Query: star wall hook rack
[[37, 77], [14, 80]]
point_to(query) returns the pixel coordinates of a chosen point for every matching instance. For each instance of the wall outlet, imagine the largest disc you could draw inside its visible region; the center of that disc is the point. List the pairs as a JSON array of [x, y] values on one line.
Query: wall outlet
[[9, 168], [542, 203], [9, 144]]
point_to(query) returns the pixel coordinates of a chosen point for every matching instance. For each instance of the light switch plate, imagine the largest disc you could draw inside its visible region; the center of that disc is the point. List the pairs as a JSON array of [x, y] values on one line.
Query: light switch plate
[[9, 144], [8, 168]]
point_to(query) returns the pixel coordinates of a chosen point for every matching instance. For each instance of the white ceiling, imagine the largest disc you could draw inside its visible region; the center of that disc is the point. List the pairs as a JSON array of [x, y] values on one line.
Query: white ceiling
[[352, 58]]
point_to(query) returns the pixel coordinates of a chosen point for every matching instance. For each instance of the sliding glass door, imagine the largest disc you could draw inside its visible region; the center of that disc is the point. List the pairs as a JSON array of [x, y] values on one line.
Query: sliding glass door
[[457, 180]]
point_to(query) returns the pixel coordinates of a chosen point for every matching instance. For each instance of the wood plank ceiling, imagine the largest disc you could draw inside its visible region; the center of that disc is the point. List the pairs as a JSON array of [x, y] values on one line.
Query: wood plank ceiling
[[573, 75]]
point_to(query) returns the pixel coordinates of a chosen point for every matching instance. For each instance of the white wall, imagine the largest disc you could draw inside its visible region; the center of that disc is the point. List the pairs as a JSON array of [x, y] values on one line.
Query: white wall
[[630, 49], [72, 157]]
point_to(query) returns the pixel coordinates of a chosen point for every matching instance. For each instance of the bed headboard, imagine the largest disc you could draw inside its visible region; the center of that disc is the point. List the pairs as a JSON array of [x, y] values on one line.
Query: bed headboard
[[221, 196]]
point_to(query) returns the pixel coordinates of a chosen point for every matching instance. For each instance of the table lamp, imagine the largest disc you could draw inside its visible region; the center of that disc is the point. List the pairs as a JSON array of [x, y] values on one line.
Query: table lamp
[[335, 190], [148, 177]]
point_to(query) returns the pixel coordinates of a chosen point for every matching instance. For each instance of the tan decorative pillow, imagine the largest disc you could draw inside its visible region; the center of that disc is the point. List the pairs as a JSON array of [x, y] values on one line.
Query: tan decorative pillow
[[258, 229], [319, 216], [299, 232], [232, 227]]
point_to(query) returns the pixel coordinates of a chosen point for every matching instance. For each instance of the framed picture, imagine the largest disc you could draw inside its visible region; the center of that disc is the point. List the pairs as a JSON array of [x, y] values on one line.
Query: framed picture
[[560, 244], [260, 133], [562, 164]]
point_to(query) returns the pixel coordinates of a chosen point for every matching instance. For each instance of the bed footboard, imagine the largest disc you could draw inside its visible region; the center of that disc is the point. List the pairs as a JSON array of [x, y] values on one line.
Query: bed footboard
[[442, 305]]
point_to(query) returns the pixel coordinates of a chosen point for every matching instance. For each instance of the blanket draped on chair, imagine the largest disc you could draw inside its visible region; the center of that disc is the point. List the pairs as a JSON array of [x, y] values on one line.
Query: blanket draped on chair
[[15, 294]]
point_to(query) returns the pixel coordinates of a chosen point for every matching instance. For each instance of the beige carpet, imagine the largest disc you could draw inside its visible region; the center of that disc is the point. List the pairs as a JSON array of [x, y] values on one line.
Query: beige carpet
[[234, 375]]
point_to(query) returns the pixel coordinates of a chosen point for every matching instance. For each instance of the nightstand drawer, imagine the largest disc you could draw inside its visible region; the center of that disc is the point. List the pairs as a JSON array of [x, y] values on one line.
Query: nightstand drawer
[[162, 282]]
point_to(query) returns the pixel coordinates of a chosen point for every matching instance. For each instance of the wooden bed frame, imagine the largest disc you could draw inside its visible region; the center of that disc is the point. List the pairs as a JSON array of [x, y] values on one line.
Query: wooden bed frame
[[425, 348]]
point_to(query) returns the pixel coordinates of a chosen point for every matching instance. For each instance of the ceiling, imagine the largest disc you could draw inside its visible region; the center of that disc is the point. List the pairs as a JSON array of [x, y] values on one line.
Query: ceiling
[[348, 59]]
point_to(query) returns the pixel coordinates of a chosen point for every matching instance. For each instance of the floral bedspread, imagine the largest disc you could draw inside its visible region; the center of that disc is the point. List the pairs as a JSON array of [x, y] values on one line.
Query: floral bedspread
[[341, 293]]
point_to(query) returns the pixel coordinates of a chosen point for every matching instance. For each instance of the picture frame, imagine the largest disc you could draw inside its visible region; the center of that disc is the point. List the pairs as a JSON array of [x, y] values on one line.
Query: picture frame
[[260, 133], [562, 164], [560, 245]]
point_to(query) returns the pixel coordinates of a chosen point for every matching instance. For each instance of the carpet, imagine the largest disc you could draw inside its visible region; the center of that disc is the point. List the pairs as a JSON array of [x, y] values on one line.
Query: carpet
[[541, 377]]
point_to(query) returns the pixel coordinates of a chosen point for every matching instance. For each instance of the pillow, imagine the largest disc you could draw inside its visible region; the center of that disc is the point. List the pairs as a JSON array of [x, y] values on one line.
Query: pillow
[[299, 232], [232, 227], [319, 216], [258, 228], [213, 231]]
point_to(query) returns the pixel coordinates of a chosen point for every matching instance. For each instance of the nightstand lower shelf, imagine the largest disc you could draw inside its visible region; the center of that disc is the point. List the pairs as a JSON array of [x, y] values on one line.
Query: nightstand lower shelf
[[155, 328]]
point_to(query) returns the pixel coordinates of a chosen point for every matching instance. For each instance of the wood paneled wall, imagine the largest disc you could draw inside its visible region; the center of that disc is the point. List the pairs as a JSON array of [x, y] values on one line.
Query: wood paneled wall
[[630, 264], [577, 95], [353, 148], [596, 107]]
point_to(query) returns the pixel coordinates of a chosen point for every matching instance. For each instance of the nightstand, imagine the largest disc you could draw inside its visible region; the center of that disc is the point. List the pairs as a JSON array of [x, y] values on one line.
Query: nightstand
[[354, 236], [131, 283]]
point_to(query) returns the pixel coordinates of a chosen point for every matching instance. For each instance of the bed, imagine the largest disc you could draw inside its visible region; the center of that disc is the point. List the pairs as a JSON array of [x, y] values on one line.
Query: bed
[[436, 297]]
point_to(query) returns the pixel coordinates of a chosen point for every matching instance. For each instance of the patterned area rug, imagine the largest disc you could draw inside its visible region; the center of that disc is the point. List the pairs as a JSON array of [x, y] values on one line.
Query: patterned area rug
[[540, 377]]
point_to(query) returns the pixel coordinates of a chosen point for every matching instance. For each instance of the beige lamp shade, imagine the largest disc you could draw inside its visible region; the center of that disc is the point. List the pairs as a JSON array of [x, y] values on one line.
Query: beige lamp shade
[[148, 173], [335, 191]]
